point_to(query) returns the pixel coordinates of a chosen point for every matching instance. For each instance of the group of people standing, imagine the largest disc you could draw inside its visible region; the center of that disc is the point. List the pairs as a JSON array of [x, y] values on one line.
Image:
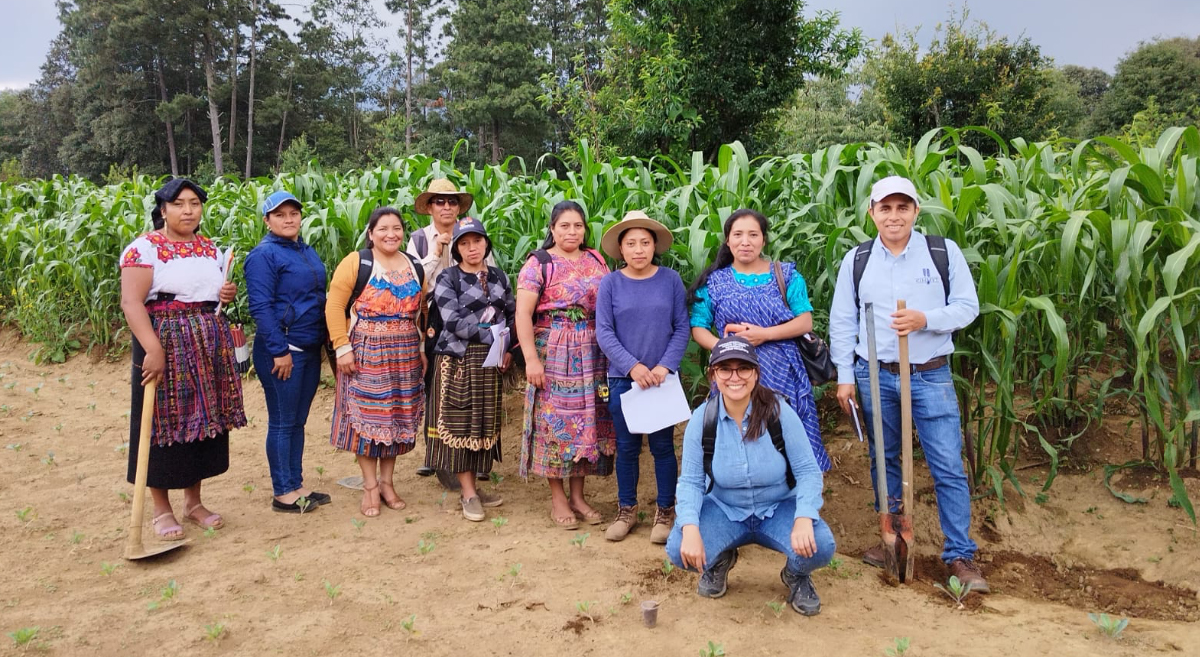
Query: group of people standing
[[421, 333]]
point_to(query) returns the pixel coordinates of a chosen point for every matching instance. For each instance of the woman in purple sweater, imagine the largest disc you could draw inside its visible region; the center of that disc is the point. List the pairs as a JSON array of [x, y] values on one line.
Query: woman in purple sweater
[[642, 327]]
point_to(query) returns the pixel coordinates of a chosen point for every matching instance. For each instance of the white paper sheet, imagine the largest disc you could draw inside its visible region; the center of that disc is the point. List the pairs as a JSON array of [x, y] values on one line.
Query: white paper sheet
[[500, 343], [649, 410]]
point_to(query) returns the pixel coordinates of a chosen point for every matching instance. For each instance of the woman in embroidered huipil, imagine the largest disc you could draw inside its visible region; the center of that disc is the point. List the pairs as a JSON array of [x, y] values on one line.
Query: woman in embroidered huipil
[[380, 359], [472, 298], [171, 281], [739, 295], [568, 431]]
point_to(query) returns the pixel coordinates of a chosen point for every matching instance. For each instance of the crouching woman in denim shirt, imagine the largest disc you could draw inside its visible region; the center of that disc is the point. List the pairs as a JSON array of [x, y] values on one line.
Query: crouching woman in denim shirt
[[747, 498]]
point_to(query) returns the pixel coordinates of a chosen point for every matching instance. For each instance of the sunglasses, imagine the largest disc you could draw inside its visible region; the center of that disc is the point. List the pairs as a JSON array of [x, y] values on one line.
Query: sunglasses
[[726, 373], [445, 200]]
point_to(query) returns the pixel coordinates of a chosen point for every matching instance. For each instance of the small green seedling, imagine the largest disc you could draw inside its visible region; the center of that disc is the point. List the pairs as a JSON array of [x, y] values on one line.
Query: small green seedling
[[122, 448], [249, 488], [273, 553], [408, 520], [580, 539], [214, 631], [512, 573], [332, 591], [210, 532], [5, 409], [76, 537], [16, 447], [956, 589], [667, 568], [166, 595], [108, 568], [626, 598], [498, 522], [36, 389], [26, 515], [92, 407], [320, 473], [899, 647], [358, 524], [298, 577], [123, 496], [585, 609], [409, 625], [713, 650], [776, 608], [58, 428], [49, 460], [643, 516], [22, 637], [495, 478], [1109, 626], [303, 502], [425, 546]]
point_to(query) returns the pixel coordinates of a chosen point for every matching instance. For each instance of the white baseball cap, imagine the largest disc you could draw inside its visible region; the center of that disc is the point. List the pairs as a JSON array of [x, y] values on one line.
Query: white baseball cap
[[893, 185]]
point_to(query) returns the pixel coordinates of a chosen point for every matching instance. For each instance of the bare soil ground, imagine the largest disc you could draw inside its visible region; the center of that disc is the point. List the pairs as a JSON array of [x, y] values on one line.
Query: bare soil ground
[[1049, 564]]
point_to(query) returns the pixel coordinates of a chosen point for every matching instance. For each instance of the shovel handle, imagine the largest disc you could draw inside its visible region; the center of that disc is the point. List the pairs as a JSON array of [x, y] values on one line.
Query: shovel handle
[[906, 454], [133, 545]]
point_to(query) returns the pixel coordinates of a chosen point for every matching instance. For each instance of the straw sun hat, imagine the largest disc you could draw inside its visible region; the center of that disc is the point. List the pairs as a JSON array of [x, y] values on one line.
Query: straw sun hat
[[634, 219], [442, 187]]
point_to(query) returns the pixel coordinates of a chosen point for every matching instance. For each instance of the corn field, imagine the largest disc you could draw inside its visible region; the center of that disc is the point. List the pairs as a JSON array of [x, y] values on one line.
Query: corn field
[[1085, 256]]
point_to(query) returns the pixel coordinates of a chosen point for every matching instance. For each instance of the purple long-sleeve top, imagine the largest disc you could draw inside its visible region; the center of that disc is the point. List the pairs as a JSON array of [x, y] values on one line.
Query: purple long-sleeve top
[[642, 321]]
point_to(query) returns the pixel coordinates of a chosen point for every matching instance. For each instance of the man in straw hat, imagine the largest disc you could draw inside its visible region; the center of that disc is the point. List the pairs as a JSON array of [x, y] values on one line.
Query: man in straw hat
[[444, 204], [932, 276]]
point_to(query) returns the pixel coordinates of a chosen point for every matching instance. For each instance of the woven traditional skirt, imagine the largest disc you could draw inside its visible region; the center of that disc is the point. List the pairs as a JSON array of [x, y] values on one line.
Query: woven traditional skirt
[[379, 408], [568, 431], [464, 425], [198, 401]]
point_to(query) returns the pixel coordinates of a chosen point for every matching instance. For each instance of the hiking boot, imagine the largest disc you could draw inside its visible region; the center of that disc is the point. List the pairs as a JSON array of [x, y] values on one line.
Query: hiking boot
[[472, 509], [664, 520], [714, 580], [803, 598], [489, 500], [875, 556], [968, 573], [625, 522]]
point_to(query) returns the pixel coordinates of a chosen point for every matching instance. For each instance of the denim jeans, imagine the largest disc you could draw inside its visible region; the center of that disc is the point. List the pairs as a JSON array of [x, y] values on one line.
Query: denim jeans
[[629, 448], [719, 534], [935, 411], [288, 403]]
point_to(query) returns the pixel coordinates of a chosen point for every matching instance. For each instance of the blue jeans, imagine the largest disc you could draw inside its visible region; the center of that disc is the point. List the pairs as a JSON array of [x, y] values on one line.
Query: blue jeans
[[719, 534], [629, 448], [287, 411], [935, 411]]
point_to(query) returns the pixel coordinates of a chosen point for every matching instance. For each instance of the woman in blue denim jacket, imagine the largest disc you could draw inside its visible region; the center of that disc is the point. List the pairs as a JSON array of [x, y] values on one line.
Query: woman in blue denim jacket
[[285, 281], [748, 499]]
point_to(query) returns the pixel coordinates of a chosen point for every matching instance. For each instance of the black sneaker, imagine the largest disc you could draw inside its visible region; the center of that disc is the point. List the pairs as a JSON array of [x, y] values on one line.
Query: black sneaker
[[804, 598], [714, 580]]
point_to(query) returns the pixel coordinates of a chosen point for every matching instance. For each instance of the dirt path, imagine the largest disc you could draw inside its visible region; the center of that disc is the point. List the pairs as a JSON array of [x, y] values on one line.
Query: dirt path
[[1081, 551]]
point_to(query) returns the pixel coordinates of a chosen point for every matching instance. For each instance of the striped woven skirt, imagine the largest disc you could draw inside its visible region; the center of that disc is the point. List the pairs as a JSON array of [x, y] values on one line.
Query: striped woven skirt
[[379, 408], [464, 425], [568, 431], [198, 401]]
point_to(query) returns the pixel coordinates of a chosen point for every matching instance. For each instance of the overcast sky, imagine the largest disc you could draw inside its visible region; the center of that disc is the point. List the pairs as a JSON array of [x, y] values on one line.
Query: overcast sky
[[1085, 32]]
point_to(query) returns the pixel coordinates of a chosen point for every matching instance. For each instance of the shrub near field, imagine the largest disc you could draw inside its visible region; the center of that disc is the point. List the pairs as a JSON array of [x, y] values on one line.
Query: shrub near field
[[1085, 256]]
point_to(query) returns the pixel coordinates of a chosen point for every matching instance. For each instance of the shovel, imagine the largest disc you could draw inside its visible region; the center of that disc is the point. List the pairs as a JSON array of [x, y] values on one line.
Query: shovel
[[134, 549], [890, 524], [904, 553]]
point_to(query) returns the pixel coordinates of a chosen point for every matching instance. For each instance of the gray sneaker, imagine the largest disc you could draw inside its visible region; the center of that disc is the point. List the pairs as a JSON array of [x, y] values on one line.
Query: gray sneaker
[[472, 509], [489, 500], [713, 581], [804, 598]]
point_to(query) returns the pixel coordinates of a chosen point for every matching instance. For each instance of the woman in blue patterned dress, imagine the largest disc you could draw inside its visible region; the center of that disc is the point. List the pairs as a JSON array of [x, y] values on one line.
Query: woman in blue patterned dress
[[738, 294]]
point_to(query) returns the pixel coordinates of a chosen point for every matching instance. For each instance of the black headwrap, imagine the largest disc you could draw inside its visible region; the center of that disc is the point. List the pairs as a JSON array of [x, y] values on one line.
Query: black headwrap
[[169, 192]]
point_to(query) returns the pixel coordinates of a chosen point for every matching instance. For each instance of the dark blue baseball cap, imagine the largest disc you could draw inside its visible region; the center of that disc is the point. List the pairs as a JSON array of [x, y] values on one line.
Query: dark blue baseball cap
[[277, 199], [733, 347], [465, 226]]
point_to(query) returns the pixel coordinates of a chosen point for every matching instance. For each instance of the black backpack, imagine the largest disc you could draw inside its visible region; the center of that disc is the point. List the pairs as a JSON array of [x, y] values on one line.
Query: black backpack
[[544, 259], [937, 252], [708, 438], [366, 262]]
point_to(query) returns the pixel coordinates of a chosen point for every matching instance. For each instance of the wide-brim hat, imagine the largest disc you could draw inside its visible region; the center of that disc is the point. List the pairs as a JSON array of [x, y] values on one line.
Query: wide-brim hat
[[733, 347], [442, 187], [610, 242], [465, 226]]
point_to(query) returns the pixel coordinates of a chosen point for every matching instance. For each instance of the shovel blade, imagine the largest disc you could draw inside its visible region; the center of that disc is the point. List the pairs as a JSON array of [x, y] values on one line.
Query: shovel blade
[[899, 560]]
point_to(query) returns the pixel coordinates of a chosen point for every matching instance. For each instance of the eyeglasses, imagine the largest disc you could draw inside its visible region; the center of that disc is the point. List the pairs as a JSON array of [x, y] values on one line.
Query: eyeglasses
[[445, 200], [726, 373]]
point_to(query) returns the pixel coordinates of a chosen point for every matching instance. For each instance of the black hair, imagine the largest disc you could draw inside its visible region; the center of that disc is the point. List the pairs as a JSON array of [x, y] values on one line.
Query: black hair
[[556, 212], [168, 193], [654, 259], [456, 254], [724, 254], [378, 214]]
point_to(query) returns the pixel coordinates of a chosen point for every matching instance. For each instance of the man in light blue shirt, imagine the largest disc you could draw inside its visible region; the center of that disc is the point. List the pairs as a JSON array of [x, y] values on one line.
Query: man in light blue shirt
[[900, 265]]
